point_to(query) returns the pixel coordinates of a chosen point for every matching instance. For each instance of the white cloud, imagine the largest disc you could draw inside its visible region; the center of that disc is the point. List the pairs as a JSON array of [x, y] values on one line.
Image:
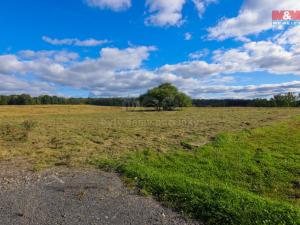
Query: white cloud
[[117, 72], [90, 42], [74, 41], [279, 55], [115, 5], [162, 12], [114, 68], [101, 72], [247, 91], [196, 69], [130, 58], [253, 18], [165, 13], [12, 85], [57, 56], [10, 64], [201, 5], [199, 54], [188, 36], [291, 36], [250, 57], [290, 39], [120, 72]]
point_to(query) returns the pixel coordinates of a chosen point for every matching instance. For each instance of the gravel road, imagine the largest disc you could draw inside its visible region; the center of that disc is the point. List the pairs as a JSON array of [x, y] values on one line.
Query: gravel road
[[67, 196]]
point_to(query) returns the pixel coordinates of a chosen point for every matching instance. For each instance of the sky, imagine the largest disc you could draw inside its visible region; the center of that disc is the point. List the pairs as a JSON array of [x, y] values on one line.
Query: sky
[[121, 48]]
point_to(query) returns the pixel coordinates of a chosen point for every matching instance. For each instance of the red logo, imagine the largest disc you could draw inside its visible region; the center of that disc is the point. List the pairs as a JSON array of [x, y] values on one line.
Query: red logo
[[286, 15]]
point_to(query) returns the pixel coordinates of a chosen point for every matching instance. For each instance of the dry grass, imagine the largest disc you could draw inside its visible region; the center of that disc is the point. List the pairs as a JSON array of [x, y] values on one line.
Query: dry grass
[[71, 135]]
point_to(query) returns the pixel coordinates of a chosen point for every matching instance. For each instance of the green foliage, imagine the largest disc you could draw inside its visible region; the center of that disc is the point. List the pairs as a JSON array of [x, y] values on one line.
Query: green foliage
[[166, 97], [281, 100], [240, 178], [3, 100], [25, 99], [182, 100], [285, 100]]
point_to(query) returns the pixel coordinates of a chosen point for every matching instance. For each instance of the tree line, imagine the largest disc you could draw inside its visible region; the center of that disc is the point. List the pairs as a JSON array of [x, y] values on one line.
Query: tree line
[[25, 99], [163, 98], [280, 100]]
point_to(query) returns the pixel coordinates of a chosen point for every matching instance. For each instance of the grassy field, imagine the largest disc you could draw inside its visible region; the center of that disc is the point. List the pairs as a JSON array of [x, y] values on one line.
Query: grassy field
[[249, 177], [219, 165]]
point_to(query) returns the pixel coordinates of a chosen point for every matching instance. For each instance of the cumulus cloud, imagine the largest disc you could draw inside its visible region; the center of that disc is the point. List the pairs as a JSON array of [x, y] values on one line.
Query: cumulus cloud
[[259, 56], [290, 39], [115, 5], [164, 12], [10, 64], [116, 72], [269, 56], [13, 85], [247, 91], [253, 18], [120, 72], [129, 58], [197, 69], [110, 69], [291, 36], [74, 41], [100, 72]]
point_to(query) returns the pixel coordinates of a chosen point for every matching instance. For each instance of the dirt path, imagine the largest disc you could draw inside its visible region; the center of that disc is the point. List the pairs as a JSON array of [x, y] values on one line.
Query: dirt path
[[67, 196]]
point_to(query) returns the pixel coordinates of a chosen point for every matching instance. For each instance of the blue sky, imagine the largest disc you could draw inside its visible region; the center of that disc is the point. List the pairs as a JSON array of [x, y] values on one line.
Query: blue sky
[[105, 48]]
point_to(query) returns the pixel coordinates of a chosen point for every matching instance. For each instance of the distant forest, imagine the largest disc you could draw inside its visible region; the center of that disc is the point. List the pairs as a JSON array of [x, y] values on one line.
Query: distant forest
[[281, 100]]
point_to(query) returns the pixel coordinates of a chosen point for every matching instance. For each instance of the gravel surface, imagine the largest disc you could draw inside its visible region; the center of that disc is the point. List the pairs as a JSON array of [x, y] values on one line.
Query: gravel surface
[[68, 196]]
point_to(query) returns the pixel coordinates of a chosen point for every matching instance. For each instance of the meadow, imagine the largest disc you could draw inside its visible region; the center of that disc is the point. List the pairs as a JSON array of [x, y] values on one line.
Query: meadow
[[218, 165]]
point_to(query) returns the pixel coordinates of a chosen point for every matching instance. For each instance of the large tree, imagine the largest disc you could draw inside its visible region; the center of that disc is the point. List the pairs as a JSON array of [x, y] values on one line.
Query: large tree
[[166, 96]]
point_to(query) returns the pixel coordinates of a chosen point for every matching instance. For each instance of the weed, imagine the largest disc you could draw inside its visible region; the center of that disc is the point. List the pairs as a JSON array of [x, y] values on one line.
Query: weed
[[64, 160], [186, 145], [55, 143], [28, 125]]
